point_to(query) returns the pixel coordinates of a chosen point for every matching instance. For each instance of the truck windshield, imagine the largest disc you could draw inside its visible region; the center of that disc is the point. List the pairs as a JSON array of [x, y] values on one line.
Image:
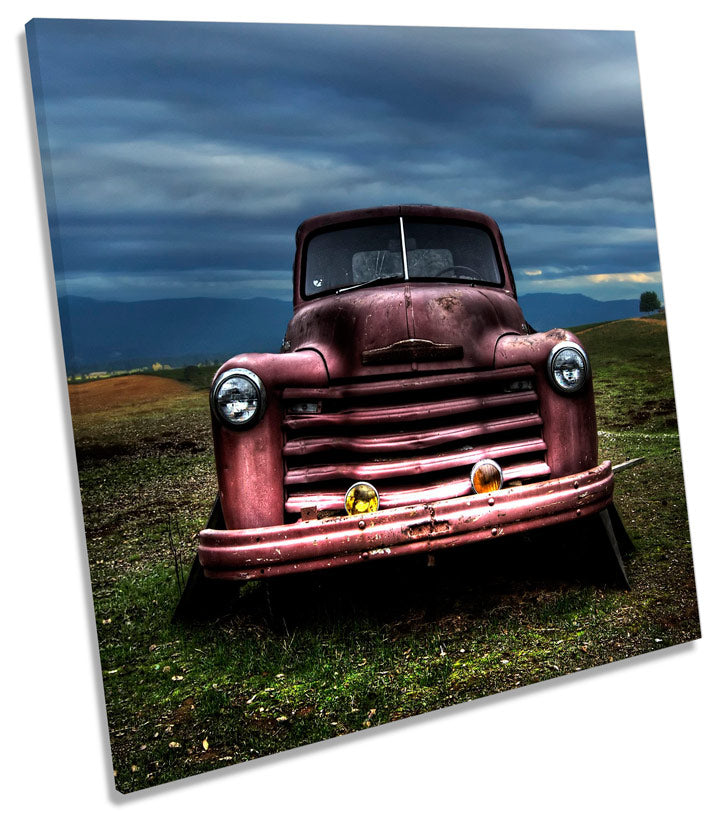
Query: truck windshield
[[398, 249]]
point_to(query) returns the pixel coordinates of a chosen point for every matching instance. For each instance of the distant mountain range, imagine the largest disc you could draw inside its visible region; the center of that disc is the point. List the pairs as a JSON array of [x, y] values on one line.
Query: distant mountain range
[[544, 311], [114, 335]]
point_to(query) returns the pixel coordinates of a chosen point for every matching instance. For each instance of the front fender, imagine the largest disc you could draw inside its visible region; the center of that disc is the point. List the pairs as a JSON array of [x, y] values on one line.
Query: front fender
[[249, 461], [569, 422]]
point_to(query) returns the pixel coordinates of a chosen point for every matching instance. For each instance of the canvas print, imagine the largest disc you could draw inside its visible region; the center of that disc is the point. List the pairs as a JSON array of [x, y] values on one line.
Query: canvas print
[[368, 370]]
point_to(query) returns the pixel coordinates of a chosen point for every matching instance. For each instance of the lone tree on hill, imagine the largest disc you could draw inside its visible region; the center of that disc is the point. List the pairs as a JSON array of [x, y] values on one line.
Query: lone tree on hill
[[649, 302]]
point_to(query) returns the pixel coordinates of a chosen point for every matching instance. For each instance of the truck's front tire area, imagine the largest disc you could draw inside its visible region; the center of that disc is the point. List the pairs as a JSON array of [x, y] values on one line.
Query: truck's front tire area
[[607, 540], [203, 599]]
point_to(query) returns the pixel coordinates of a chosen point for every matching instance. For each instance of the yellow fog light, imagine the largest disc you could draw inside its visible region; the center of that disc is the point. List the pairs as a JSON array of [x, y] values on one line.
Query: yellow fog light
[[361, 498], [486, 476]]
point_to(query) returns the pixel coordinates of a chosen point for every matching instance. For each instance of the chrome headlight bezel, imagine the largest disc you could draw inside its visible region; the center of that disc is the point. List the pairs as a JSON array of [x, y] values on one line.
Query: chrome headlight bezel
[[257, 384], [582, 355]]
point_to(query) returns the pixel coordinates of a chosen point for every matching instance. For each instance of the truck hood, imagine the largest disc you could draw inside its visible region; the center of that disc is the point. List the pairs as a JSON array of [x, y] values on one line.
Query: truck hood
[[405, 327]]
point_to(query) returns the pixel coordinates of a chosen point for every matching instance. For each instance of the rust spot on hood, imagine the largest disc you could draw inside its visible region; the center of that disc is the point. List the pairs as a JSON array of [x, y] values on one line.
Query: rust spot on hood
[[448, 303]]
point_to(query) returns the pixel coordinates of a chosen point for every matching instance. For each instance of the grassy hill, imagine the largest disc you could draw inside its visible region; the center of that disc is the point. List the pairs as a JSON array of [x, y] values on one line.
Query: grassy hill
[[317, 656], [632, 376]]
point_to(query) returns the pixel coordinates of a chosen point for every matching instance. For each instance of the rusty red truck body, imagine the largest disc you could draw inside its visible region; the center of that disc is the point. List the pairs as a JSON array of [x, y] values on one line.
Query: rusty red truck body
[[407, 370]]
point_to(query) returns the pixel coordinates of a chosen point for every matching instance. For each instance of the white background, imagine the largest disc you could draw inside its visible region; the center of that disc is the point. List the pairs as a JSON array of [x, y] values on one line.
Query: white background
[[637, 738]]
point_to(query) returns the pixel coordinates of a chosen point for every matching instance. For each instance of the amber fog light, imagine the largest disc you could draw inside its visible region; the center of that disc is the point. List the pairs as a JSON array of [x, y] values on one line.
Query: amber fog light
[[486, 476], [361, 498]]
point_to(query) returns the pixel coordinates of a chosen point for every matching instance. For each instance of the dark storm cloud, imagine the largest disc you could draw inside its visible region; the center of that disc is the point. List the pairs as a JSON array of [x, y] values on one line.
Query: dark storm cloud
[[184, 155]]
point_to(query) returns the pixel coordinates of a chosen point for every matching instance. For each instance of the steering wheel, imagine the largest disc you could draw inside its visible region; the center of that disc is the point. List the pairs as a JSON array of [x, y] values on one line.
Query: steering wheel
[[458, 267]]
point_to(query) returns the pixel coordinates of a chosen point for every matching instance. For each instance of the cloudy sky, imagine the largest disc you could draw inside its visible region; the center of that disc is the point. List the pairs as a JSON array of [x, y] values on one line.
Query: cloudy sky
[[180, 157]]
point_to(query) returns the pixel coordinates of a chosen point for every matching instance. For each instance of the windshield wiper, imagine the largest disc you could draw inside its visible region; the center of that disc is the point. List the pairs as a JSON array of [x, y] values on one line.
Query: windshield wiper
[[369, 282]]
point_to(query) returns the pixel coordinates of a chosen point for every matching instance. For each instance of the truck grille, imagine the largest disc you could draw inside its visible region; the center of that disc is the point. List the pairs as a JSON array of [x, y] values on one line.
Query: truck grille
[[414, 439]]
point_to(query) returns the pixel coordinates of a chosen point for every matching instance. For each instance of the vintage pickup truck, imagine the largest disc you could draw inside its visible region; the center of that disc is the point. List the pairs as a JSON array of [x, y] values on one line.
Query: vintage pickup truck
[[410, 409]]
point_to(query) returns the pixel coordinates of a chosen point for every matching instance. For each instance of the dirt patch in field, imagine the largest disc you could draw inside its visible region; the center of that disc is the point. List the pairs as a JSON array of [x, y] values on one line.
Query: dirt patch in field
[[123, 391]]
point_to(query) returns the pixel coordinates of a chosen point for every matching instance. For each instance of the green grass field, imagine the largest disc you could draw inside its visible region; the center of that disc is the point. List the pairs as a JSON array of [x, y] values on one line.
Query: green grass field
[[312, 657]]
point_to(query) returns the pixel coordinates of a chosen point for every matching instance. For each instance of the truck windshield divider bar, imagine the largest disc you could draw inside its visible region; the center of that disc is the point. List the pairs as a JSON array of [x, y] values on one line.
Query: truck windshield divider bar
[[406, 273]]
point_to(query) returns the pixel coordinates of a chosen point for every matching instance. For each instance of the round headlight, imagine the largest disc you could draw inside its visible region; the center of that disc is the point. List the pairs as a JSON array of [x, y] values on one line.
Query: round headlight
[[238, 397], [568, 366]]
